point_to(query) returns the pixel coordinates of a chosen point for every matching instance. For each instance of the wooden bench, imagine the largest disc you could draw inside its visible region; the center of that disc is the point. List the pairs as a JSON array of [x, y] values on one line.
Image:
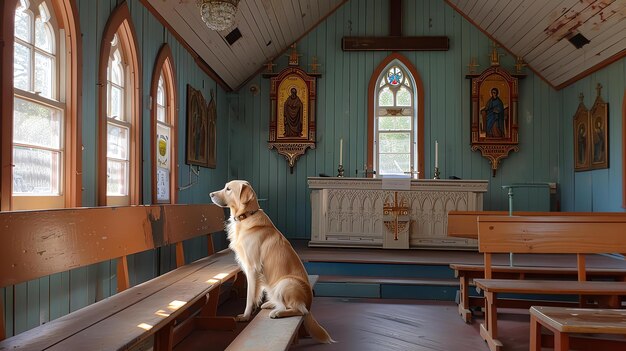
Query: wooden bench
[[580, 235], [160, 311], [564, 322], [468, 273], [266, 334]]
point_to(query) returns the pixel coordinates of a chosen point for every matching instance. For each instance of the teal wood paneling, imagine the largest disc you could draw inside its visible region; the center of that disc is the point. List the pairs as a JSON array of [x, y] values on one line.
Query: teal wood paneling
[[342, 113], [596, 190]]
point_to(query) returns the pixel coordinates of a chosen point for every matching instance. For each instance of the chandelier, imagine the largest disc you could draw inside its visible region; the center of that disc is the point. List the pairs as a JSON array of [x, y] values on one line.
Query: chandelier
[[218, 14]]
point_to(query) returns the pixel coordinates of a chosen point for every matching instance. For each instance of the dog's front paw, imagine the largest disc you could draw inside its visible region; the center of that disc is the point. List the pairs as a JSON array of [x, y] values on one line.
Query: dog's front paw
[[275, 314], [242, 318], [268, 305]]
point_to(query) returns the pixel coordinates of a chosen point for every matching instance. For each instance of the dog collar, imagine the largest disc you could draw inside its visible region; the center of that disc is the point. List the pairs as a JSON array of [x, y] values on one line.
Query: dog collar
[[245, 215]]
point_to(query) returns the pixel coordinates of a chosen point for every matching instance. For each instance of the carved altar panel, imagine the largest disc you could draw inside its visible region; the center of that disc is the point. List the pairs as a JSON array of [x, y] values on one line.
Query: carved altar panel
[[357, 212]]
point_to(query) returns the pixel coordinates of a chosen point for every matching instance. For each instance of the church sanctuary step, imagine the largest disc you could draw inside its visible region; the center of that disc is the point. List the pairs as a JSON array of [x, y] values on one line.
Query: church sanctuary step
[[386, 287]]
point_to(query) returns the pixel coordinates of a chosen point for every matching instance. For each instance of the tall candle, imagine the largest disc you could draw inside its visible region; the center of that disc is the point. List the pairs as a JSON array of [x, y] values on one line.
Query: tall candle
[[436, 154], [341, 151]]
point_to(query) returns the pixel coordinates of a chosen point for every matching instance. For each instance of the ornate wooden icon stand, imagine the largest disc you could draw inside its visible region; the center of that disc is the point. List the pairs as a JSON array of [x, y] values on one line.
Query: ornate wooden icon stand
[[292, 115], [494, 124]]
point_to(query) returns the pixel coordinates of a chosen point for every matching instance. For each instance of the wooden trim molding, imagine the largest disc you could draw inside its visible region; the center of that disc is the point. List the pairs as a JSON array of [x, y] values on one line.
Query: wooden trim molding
[[624, 150], [419, 86], [120, 22], [165, 63], [67, 16], [6, 102]]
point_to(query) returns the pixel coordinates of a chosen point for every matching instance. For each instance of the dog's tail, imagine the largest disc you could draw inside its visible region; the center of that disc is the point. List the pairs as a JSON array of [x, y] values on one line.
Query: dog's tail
[[316, 330]]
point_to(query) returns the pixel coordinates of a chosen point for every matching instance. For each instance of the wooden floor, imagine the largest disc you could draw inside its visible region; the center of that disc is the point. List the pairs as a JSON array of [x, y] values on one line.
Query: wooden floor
[[400, 325], [383, 325]]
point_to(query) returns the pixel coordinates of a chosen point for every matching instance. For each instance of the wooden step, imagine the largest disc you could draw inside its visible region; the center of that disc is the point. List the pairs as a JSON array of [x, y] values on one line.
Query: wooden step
[[386, 280]]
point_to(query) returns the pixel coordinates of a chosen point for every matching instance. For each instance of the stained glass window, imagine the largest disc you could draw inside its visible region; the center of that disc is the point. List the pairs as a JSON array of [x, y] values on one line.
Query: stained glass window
[[395, 131]]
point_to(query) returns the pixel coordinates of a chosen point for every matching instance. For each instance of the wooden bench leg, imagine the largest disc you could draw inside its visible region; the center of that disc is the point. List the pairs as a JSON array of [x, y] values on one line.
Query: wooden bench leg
[[464, 308], [207, 319], [535, 334], [561, 341], [489, 329], [164, 338]]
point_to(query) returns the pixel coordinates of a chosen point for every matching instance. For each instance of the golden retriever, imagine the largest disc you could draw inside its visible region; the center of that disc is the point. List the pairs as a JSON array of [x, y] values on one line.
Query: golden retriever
[[267, 259]]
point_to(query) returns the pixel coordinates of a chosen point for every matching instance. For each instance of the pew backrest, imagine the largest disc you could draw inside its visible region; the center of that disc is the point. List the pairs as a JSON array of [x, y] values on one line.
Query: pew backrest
[[580, 235]]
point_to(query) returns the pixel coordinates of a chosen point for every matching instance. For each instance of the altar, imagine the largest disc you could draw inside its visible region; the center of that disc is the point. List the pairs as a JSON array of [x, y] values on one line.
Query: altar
[[375, 212]]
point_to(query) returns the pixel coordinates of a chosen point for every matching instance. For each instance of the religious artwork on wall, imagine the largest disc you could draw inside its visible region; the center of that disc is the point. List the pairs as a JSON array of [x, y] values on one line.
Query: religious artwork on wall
[[197, 129], [292, 114], [591, 149], [212, 138], [494, 126], [581, 137], [598, 124]]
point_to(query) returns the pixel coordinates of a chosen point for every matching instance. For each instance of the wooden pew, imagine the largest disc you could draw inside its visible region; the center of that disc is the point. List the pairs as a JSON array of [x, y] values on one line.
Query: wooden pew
[[266, 334], [579, 235], [468, 273], [464, 224], [160, 311]]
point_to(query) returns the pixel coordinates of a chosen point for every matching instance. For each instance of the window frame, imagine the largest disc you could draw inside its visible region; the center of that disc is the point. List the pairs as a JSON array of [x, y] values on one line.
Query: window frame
[[120, 23], [67, 86], [164, 64], [418, 111]]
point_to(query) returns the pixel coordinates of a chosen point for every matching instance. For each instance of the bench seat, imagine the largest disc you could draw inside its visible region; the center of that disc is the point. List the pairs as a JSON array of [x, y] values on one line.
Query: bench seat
[[134, 315], [564, 322], [467, 273], [266, 334]]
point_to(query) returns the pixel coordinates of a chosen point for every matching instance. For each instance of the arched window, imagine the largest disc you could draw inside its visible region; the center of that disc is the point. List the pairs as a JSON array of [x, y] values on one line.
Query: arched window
[[395, 118], [120, 109], [44, 140], [163, 139]]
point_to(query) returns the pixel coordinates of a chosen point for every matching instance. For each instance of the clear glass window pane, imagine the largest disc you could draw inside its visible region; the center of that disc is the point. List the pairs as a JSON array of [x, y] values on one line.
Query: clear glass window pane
[[117, 178], [161, 91], [43, 37], [160, 113], [385, 97], [36, 172], [394, 123], [21, 67], [403, 97], [116, 103], [117, 73], [394, 163], [43, 75], [394, 142], [36, 124], [23, 24], [117, 142]]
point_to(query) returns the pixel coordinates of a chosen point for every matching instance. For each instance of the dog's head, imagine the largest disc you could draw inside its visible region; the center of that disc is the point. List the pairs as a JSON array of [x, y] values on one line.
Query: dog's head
[[238, 195]]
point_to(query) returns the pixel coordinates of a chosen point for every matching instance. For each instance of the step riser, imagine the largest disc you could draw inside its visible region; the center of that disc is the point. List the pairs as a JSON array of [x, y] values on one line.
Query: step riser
[[380, 270], [386, 291]]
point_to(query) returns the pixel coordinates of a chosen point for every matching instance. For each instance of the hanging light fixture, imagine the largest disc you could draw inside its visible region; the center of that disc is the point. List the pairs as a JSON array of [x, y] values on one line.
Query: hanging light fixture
[[218, 14]]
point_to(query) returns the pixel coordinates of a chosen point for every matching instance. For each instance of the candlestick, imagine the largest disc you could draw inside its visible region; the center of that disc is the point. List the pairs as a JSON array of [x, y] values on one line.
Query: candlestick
[[436, 154], [341, 151]]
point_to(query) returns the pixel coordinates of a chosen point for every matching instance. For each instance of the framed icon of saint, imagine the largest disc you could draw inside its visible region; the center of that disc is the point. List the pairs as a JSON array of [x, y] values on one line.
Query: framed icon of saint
[[292, 114]]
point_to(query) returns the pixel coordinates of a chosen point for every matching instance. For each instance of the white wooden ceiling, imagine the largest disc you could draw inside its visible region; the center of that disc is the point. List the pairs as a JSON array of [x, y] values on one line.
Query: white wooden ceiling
[[268, 27], [537, 31]]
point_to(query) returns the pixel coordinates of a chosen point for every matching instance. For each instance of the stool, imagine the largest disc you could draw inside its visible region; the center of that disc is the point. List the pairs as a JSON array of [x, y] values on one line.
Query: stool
[[565, 321]]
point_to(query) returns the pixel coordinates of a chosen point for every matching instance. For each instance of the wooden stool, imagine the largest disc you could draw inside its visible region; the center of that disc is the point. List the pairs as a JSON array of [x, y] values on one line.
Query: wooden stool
[[565, 321]]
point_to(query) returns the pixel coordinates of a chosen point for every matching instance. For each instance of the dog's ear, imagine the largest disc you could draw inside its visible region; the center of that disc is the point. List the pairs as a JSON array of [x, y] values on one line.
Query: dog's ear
[[246, 194]]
